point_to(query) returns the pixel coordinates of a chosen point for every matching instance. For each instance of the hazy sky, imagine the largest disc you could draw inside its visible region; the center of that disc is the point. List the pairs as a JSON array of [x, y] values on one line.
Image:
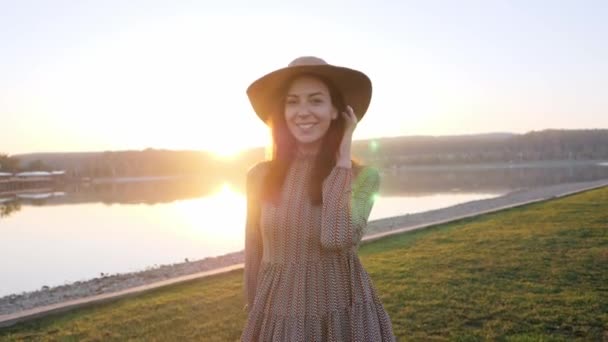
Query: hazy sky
[[115, 75]]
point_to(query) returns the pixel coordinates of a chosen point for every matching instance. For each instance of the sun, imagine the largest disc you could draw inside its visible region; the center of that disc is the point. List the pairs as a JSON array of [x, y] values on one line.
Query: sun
[[242, 138], [227, 147], [227, 151]]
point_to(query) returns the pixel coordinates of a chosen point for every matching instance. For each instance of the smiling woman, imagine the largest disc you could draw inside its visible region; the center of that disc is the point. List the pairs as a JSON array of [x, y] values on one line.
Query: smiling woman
[[307, 210]]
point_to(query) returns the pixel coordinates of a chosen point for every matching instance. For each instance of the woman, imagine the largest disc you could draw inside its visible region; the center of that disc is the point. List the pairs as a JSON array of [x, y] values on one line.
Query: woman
[[307, 209]]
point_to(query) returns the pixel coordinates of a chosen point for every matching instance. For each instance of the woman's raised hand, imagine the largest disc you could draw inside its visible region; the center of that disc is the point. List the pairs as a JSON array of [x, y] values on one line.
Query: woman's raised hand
[[344, 153], [350, 119]]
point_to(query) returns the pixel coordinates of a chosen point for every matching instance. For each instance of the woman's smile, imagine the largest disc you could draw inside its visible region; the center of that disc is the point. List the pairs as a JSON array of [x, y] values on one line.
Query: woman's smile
[[305, 127], [308, 109]]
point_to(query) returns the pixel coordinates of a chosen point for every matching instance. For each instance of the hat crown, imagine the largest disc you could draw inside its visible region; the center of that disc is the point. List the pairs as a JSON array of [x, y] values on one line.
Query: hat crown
[[307, 60]]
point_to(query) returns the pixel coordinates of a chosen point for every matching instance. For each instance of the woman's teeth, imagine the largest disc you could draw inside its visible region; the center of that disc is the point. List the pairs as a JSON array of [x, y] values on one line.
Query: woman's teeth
[[305, 126]]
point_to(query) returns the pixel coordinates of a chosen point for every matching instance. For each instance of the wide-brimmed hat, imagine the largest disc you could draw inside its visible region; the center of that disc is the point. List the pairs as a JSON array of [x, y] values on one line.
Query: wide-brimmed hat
[[266, 92]]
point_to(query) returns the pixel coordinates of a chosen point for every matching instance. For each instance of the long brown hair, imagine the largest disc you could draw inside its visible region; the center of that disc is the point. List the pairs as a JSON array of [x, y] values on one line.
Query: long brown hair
[[284, 147]]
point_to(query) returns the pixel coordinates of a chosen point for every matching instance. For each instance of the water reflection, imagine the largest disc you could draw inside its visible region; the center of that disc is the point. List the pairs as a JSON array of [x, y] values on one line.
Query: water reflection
[[218, 218], [413, 181], [80, 241], [487, 178], [389, 206], [81, 230]]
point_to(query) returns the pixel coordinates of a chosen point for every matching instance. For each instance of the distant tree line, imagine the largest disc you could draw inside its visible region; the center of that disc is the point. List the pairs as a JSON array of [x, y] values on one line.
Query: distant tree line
[[149, 162], [12, 164], [532, 146], [383, 152], [8, 163]]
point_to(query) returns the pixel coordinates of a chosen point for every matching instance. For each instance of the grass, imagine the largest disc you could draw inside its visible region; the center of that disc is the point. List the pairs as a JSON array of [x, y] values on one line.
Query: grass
[[533, 273]]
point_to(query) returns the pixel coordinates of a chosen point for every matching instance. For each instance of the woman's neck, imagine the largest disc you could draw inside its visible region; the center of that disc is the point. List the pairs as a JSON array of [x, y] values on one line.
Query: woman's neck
[[308, 149]]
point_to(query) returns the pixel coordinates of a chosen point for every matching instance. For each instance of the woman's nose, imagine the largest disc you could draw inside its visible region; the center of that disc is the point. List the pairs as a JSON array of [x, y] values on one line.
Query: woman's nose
[[303, 110]]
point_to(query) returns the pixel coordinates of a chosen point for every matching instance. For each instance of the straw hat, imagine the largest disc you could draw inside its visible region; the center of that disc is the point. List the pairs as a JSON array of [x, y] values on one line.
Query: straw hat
[[265, 93]]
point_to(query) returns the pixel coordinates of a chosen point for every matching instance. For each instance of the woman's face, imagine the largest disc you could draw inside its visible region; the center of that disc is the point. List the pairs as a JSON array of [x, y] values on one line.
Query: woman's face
[[308, 109]]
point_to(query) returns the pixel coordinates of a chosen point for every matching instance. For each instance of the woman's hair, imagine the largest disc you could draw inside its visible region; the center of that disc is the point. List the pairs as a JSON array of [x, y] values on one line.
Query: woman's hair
[[284, 147]]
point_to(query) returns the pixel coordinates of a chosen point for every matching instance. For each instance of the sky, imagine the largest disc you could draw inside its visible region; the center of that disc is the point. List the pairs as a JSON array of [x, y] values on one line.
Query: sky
[[117, 75]]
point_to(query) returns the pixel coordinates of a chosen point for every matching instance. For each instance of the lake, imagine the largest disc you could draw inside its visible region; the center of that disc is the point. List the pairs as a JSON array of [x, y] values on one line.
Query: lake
[[112, 227]]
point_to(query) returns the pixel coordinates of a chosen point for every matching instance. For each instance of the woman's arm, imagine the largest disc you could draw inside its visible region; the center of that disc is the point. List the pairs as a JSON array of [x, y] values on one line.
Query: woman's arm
[[253, 236], [347, 203], [347, 200]]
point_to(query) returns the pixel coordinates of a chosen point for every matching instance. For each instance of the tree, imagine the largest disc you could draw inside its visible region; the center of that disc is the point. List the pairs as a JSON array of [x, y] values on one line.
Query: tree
[[37, 165], [9, 208], [8, 163]]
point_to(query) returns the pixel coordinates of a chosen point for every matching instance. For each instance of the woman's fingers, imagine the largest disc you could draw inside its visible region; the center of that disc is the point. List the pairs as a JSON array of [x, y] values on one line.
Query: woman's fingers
[[350, 114], [351, 119]]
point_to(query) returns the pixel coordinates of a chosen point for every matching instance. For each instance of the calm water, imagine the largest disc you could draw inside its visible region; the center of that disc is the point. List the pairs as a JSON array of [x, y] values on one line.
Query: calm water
[[61, 237]]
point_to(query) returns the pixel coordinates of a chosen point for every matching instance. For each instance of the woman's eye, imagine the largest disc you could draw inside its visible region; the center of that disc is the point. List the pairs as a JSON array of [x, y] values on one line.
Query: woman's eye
[[290, 102], [317, 101]]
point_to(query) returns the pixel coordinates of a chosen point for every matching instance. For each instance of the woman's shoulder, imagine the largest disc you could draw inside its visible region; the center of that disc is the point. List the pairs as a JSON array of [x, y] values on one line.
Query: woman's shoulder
[[258, 170]]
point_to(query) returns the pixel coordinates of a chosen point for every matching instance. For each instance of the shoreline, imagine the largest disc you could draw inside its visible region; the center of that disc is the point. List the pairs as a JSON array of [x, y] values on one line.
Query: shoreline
[[18, 307]]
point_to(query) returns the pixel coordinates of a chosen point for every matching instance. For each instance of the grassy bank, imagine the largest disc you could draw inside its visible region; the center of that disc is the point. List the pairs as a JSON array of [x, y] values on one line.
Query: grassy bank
[[538, 272]]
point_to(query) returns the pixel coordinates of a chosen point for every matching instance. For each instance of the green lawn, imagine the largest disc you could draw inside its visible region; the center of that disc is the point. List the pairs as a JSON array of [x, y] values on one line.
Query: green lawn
[[533, 273]]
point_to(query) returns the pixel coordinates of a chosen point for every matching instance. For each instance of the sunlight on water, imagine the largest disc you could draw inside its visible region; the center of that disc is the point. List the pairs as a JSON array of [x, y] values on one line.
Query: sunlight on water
[[118, 228], [79, 241], [397, 206], [218, 218]]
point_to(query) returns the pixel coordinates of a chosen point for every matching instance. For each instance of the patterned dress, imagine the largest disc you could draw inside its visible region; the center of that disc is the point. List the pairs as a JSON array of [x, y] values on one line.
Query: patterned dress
[[303, 280]]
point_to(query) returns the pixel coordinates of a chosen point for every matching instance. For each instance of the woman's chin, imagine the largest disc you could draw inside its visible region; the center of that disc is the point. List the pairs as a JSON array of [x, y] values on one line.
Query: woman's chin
[[307, 140]]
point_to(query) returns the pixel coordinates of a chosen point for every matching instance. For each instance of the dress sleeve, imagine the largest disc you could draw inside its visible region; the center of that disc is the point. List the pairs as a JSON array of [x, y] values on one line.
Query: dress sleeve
[[253, 236], [347, 203]]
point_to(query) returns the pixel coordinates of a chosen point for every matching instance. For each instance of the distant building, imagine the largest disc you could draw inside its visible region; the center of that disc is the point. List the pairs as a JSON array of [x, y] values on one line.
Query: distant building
[[28, 174], [29, 180]]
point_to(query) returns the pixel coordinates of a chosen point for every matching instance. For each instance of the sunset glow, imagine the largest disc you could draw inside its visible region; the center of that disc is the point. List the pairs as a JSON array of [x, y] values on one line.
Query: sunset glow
[[136, 76]]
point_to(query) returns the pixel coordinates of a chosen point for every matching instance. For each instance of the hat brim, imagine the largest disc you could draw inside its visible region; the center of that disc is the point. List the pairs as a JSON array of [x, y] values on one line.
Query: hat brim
[[265, 93]]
